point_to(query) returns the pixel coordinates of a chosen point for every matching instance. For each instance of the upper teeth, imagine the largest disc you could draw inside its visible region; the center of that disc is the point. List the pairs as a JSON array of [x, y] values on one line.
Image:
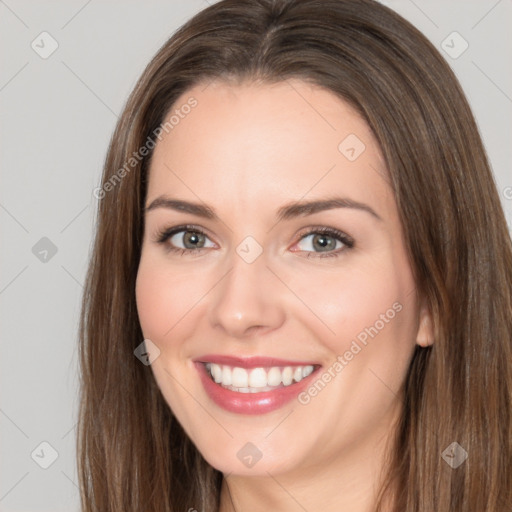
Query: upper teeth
[[235, 377]]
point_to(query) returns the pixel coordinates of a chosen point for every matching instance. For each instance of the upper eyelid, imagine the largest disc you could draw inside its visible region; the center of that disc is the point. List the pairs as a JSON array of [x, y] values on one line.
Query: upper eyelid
[[304, 232], [322, 229], [178, 229]]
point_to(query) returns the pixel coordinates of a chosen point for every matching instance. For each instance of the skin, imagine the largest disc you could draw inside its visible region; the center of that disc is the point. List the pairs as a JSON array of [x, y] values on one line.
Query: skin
[[246, 150]]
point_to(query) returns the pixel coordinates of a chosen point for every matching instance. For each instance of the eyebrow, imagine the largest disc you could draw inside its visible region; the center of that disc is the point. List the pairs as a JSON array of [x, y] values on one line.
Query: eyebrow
[[289, 211]]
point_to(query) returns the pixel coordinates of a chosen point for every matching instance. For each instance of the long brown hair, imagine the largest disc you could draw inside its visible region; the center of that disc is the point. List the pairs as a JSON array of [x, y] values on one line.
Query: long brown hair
[[132, 453]]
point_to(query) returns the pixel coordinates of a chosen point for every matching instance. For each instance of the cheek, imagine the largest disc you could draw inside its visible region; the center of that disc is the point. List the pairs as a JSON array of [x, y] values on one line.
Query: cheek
[[372, 315], [372, 302], [163, 298], [151, 296], [348, 303], [170, 308]]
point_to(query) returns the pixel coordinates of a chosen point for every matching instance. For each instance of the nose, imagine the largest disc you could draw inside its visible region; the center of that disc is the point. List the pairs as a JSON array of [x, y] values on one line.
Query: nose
[[247, 300]]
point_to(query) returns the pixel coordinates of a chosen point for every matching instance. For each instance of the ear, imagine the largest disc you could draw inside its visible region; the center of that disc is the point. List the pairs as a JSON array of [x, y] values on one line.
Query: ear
[[425, 336]]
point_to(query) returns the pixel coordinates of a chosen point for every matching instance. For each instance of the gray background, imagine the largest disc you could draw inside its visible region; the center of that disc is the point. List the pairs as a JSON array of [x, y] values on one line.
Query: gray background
[[57, 116]]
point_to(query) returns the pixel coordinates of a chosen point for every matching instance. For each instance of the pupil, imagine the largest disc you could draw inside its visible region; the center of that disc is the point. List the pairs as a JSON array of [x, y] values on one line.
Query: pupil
[[194, 239], [324, 242]]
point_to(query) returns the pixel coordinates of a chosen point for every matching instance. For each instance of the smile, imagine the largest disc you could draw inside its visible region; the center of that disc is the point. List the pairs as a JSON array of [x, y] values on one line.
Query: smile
[[255, 385], [257, 380]]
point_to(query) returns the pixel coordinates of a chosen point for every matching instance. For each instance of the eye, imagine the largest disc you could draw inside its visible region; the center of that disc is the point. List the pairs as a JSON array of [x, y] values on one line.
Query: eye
[[189, 240], [328, 241], [321, 241], [184, 239]]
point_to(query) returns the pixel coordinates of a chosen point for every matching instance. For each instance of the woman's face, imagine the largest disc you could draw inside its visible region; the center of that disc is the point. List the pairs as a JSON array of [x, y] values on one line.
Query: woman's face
[[273, 258]]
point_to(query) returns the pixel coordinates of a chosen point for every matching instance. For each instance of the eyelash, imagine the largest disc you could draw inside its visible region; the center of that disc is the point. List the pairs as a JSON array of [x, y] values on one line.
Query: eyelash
[[347, 241]]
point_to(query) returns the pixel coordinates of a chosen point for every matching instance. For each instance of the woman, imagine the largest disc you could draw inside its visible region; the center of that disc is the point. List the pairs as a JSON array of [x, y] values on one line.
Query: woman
[[298, 218]]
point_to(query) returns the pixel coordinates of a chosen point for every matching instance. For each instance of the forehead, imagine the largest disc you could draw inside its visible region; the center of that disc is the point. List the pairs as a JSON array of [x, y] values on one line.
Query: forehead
[[266, 142]]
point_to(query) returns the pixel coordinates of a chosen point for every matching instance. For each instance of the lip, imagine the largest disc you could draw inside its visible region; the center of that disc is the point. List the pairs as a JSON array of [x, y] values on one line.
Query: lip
[[250, 362], [251, 403]]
